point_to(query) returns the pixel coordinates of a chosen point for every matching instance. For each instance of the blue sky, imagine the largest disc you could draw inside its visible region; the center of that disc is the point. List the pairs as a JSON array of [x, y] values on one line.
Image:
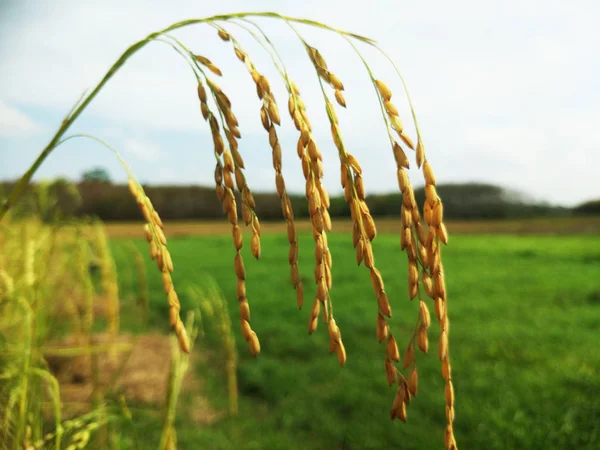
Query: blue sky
[[506, 91]]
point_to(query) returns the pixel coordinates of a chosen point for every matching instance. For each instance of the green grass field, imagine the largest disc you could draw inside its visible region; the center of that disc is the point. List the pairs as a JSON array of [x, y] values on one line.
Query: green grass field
[[524, 312]]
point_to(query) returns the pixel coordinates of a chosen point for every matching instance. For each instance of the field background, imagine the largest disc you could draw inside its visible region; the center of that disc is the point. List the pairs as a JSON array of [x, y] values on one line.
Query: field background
[[524, 307]]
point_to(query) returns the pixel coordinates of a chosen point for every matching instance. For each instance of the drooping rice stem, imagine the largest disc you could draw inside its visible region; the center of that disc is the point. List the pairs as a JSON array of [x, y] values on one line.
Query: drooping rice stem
[[422, 245]]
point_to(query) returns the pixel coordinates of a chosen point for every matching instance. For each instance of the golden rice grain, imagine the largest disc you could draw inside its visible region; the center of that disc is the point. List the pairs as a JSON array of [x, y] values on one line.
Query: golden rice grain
[[239, 267], [341, 353], [438, 212], [254, 344], [450, 414], [428, 173], [255, 246], [390, 372], [446, 369], [407, 140], [420, 153], [241, 289], [448, 436], [427, 284], [424, 314], [443, 346], [413, 381], [381, 327], [384, 304], [401, 412], [246, 330], [244, 309], [224, 35], [384, 91], [442, 233], [449, 392], [147, 233], [392, 349], [209, 65], [390, 108], [340, 98]]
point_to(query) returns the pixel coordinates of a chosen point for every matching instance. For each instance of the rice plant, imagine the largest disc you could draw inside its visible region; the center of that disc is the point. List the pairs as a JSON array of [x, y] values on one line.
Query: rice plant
[[422, 240]]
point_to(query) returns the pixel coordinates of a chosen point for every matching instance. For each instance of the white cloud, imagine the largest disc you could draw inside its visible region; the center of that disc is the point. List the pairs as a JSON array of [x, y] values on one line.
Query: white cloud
[[142, 150], [14, 122]]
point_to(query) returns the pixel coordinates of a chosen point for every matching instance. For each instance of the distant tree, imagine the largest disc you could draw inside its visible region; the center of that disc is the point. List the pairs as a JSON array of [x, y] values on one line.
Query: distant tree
[[591, 207], [96, 175]]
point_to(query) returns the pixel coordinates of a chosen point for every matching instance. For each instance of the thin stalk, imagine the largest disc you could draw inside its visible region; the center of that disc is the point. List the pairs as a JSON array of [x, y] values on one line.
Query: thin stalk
[[372, 77], [410, 104], [272, 54], [23, 400]]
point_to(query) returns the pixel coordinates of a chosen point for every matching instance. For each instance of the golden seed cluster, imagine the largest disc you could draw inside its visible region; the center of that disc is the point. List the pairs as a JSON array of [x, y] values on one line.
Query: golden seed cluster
[[269, 115], [364, 229], [437, 235], [318, 206], [224, 175], [423, 251], [158, 251], [325, 74]]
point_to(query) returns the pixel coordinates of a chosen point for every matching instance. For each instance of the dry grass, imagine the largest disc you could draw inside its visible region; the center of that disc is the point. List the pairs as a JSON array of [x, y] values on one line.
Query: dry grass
[[140, 372], [542, 226], [76, 386]]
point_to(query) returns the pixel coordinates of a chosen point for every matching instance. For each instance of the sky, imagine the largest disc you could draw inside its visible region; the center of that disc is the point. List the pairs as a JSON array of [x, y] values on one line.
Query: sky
[[506, 92]]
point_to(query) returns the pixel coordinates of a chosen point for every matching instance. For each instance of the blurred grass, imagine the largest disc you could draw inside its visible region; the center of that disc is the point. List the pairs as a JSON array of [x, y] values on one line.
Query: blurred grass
[[535, 226], [524, 313]]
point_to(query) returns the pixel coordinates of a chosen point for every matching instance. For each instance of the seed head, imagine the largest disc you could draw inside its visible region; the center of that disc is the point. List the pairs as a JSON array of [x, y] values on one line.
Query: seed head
[[384, 91]]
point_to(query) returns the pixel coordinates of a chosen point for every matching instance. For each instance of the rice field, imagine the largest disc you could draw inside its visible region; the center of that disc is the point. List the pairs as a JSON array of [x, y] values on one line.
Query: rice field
[[76, 307], [535, 226], [525, 356]]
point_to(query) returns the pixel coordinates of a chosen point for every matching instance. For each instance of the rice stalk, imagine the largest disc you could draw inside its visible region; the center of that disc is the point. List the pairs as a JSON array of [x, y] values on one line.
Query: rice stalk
[[224, 174], [158, 251], [109, 284], [214, 306], [423, 247], [179, 367], [142, 290], [318, 205], [269, 114]]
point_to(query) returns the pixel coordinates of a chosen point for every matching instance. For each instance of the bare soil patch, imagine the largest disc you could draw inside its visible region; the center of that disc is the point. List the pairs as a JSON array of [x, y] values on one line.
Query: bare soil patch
[[139, 370]]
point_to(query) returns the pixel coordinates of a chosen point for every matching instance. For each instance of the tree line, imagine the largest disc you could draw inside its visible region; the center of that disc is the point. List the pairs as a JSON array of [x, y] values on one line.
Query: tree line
[[113, 202]]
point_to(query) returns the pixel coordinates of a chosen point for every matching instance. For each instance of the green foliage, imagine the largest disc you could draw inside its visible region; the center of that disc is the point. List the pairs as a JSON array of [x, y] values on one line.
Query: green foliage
[[525, 318], [96, 175], [591, 208], [50, 200], [44, 267], [468, 201]]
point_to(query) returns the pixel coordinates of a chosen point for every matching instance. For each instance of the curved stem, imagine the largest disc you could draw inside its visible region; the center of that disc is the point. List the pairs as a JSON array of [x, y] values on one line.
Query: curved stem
[[372, 77], [102, 142], [272, 53]]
